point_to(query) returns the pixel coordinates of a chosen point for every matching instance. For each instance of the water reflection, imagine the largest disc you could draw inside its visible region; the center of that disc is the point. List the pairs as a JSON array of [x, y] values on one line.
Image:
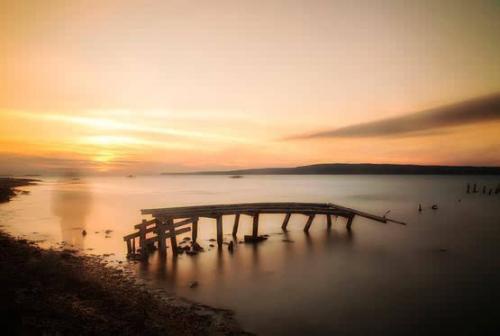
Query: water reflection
[[72, 204]]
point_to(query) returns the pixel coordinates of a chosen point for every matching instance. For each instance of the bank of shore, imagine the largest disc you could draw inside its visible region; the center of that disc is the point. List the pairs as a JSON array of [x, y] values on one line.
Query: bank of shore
[[58, 292]]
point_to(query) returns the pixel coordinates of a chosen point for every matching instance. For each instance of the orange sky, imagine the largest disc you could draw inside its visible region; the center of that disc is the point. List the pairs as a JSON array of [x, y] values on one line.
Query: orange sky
[[145, 87]]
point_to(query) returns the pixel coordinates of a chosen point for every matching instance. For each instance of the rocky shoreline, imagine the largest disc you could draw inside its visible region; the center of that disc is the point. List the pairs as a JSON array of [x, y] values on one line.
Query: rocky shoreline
[[8, 187], [59, 292], [53, 292]]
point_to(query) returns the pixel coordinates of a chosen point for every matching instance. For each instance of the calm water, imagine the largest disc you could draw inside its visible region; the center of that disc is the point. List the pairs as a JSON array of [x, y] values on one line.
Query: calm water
[[440, 272]]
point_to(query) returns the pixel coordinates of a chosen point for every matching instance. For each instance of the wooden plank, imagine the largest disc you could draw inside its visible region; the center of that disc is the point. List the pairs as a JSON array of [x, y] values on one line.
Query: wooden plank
[[145, 222], [167, 235], [153, 229], [250, 212], [255, 226], [263, 208], [219, 231], [129, 247], [235, 225], [285, 221], [173, 236], [194, 232], [160, 233], [309, 222], [349, 222], [328, 221]]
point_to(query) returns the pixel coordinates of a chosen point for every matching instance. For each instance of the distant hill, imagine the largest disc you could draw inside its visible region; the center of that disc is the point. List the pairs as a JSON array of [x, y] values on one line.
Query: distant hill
[[361, 168]]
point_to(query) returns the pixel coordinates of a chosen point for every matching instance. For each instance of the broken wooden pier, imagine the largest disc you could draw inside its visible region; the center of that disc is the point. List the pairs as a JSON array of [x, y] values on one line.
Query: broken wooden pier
[[167, 223]]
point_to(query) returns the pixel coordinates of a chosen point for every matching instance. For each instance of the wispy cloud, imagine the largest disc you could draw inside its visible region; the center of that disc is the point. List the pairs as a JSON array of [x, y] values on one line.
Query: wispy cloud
[[482, 109]]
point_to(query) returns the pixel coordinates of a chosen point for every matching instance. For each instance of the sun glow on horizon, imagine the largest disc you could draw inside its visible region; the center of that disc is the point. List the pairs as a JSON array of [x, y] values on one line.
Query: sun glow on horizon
[[191, 86]]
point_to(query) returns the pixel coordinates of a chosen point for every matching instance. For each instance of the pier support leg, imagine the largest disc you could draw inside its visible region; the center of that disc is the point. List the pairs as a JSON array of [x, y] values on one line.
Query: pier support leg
[[349, 222], [285, 221], [309, 222], [160, 232], [173, 236], [142, 239], [219, 230], [255, 227], [129, 247], [328, 222], [194, 231], [235, 225]]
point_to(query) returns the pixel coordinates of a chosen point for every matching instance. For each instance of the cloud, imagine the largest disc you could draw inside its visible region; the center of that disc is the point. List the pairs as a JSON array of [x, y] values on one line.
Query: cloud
[[482, 109]]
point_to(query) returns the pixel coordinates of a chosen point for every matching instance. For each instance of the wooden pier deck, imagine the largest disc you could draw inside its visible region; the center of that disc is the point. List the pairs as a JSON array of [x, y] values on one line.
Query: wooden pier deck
[[167, 223]]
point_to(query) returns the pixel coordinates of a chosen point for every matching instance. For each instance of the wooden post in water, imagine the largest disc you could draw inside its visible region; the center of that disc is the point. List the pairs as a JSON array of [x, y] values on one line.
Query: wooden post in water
[[255, 227], [129, 247], [309, 222], [160, 232], [133, 245], [173, 237], [349, 222], [194, 232], [219, 230], [329, 221], [142, 239], [235, 225], [285, 221]]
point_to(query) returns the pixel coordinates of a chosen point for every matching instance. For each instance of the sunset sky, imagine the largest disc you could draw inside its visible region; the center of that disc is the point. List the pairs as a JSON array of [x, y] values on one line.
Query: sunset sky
[[152, 86]]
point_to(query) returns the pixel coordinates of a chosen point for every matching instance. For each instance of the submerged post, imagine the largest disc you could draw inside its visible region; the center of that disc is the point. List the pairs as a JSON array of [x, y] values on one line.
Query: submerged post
[[328, 221], [160, 232], [219, 230], [173, 237], [285, 221], [309, 222], [194, 232], [255, 226], [142, 238], [235, 225], [349, 222], [129, 247]]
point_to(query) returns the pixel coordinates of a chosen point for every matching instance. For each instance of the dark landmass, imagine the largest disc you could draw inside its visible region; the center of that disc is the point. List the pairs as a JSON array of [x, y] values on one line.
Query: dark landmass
[[352, 169], [48, 292], [8, 187]]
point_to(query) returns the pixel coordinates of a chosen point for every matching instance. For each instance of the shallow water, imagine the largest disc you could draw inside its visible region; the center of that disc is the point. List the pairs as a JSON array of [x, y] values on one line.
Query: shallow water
[[440, 272]]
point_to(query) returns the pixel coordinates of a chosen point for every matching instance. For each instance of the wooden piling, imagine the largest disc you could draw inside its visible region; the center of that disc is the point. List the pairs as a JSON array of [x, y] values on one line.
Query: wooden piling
[[235, 225], [255, 226], [160, 232], [349, 222], [219, 230], [194, 232], [309, 222], [129, 247], [173, 236], [142, 238], [285, 221], [328, 221]]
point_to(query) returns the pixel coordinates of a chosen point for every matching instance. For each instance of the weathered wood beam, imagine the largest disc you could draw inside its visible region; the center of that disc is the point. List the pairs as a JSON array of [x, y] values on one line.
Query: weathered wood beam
[[255, 225], [349, 222], [219, 231], [285, 221], [308, 223], [153, 229], [167, 235], [142, 238], [160, 233], [328, 221], [173, 236], [129, 247], [194, 232], [235, 225]]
